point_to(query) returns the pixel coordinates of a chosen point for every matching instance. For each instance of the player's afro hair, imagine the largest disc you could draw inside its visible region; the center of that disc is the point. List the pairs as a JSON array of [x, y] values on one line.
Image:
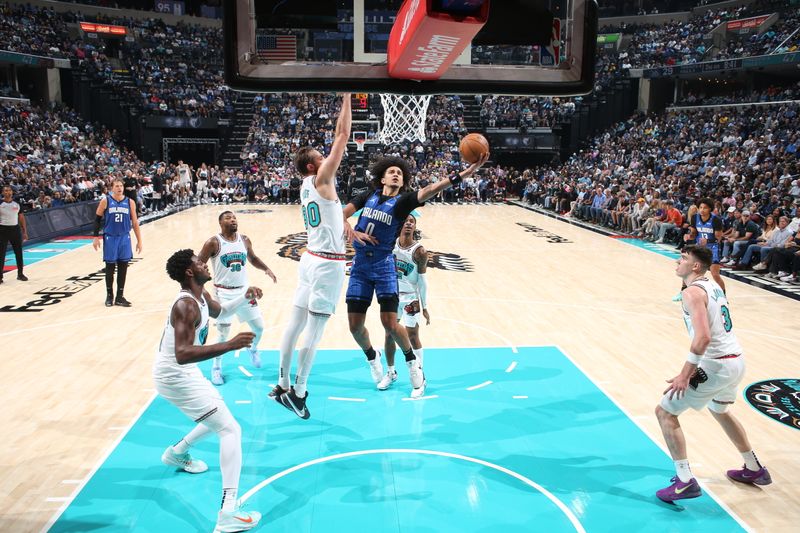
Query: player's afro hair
[[380, 167], [178, 263]]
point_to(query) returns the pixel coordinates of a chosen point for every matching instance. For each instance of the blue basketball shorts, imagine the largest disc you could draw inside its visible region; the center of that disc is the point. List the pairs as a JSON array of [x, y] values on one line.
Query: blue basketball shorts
[[117, 248], [368, 277]]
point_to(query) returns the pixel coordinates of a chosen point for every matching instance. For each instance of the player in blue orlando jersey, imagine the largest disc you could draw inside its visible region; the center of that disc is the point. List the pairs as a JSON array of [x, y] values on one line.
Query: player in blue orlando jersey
[[384, 210], [706, 230], [117, 214]]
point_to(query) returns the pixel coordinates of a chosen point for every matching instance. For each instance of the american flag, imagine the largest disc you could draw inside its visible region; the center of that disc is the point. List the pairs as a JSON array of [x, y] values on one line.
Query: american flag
[[276, 47]]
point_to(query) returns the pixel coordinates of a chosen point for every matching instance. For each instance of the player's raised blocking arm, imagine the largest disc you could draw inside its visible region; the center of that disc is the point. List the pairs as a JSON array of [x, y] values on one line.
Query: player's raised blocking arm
[[426, 193], [327, 171]]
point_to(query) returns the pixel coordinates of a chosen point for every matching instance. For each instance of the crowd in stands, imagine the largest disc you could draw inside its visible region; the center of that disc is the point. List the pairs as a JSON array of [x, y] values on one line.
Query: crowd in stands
[[524, 112], [773, 93], [32, 30], [165, 69], [177, 70], [282, 123], [677, 42], [646, 176]]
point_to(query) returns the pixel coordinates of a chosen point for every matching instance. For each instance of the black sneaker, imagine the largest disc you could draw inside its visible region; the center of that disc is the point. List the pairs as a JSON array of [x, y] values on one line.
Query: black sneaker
[[122, 302], [109, 300], [276, 392], [296, 405], [22, 277]]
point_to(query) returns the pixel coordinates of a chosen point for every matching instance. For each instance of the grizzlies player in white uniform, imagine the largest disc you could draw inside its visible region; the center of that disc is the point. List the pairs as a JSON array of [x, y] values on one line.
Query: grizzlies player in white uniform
[[709, 378], [321, 272], [230, 252], [179, 381], [411, 260]]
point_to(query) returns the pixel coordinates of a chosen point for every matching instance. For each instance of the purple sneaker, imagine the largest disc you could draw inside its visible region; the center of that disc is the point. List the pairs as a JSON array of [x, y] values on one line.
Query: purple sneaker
[[679, 490], [754, 477]]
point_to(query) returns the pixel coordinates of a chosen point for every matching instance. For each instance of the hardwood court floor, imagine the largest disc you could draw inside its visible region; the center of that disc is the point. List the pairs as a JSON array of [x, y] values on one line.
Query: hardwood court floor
[[77, 374]]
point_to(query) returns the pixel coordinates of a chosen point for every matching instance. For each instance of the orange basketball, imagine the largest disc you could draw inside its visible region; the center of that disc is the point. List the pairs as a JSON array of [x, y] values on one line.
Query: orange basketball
[[473, 146]]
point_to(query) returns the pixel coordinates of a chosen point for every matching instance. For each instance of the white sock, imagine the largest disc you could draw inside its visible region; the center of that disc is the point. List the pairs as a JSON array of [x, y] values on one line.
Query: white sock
[[297, 321], [751, 461], [683, 470], [199, 432], [391, 369], [305, 355], [229, 500], [181, 447], [419, 352]]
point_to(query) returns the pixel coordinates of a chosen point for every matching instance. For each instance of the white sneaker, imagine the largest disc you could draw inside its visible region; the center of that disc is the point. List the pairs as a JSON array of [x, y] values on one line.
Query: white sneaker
[[415, 374], [659, 241], [376, 368], [789, 277], [237, 520], [216, 376], [781, 274], [760, 266], [183, 461], [387, 380], [420, 391], [255, 358]]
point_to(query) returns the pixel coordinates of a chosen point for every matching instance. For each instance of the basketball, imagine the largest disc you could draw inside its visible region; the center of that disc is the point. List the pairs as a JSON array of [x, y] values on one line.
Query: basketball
[[473, 146]]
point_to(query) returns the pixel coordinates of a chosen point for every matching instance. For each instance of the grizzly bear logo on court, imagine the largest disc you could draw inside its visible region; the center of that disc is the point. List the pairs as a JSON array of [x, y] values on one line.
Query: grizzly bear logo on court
[[295, 244]]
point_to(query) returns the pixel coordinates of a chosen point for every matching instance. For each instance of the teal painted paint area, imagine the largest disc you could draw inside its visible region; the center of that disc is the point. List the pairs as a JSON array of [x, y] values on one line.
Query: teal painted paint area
[[566, 436], [40, 252], [660, 249]]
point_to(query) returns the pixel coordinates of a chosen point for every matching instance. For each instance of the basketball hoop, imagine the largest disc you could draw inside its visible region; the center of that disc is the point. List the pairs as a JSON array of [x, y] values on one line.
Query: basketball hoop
[[403, 117], [360, 144]]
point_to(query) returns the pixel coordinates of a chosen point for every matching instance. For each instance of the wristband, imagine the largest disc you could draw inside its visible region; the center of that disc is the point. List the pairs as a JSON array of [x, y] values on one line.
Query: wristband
[[455, 180], [693, 358]]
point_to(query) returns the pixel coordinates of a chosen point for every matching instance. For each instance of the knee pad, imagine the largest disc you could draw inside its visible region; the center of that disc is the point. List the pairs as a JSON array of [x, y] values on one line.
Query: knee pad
[[359, 306], [389, 304]]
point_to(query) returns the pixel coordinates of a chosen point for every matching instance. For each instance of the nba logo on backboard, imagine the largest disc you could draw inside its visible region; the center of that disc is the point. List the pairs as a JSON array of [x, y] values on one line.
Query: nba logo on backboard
[[550, 56]]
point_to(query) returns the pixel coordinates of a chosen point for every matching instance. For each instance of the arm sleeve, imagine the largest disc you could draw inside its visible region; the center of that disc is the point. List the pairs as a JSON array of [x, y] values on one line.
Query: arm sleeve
[[361, 199], [422, 287], [98, 220], [407, 203], [230, 306]]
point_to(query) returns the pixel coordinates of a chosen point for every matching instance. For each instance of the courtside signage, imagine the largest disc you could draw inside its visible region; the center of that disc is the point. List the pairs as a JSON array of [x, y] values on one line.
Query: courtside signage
[[54, 295]]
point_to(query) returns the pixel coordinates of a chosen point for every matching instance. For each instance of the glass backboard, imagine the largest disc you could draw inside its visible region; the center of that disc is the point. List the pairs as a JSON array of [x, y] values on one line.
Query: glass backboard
[[543, 47]]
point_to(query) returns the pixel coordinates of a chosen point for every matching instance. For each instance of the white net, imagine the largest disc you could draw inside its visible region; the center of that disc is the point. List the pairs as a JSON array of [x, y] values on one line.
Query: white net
[[404, 117]]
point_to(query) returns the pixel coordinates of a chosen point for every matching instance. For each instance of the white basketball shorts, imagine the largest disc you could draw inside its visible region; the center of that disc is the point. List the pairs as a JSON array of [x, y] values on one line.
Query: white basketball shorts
[[319, 284]]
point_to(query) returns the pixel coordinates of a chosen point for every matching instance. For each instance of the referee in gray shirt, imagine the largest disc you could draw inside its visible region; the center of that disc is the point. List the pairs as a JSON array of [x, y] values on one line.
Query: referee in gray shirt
[[13, 230]]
